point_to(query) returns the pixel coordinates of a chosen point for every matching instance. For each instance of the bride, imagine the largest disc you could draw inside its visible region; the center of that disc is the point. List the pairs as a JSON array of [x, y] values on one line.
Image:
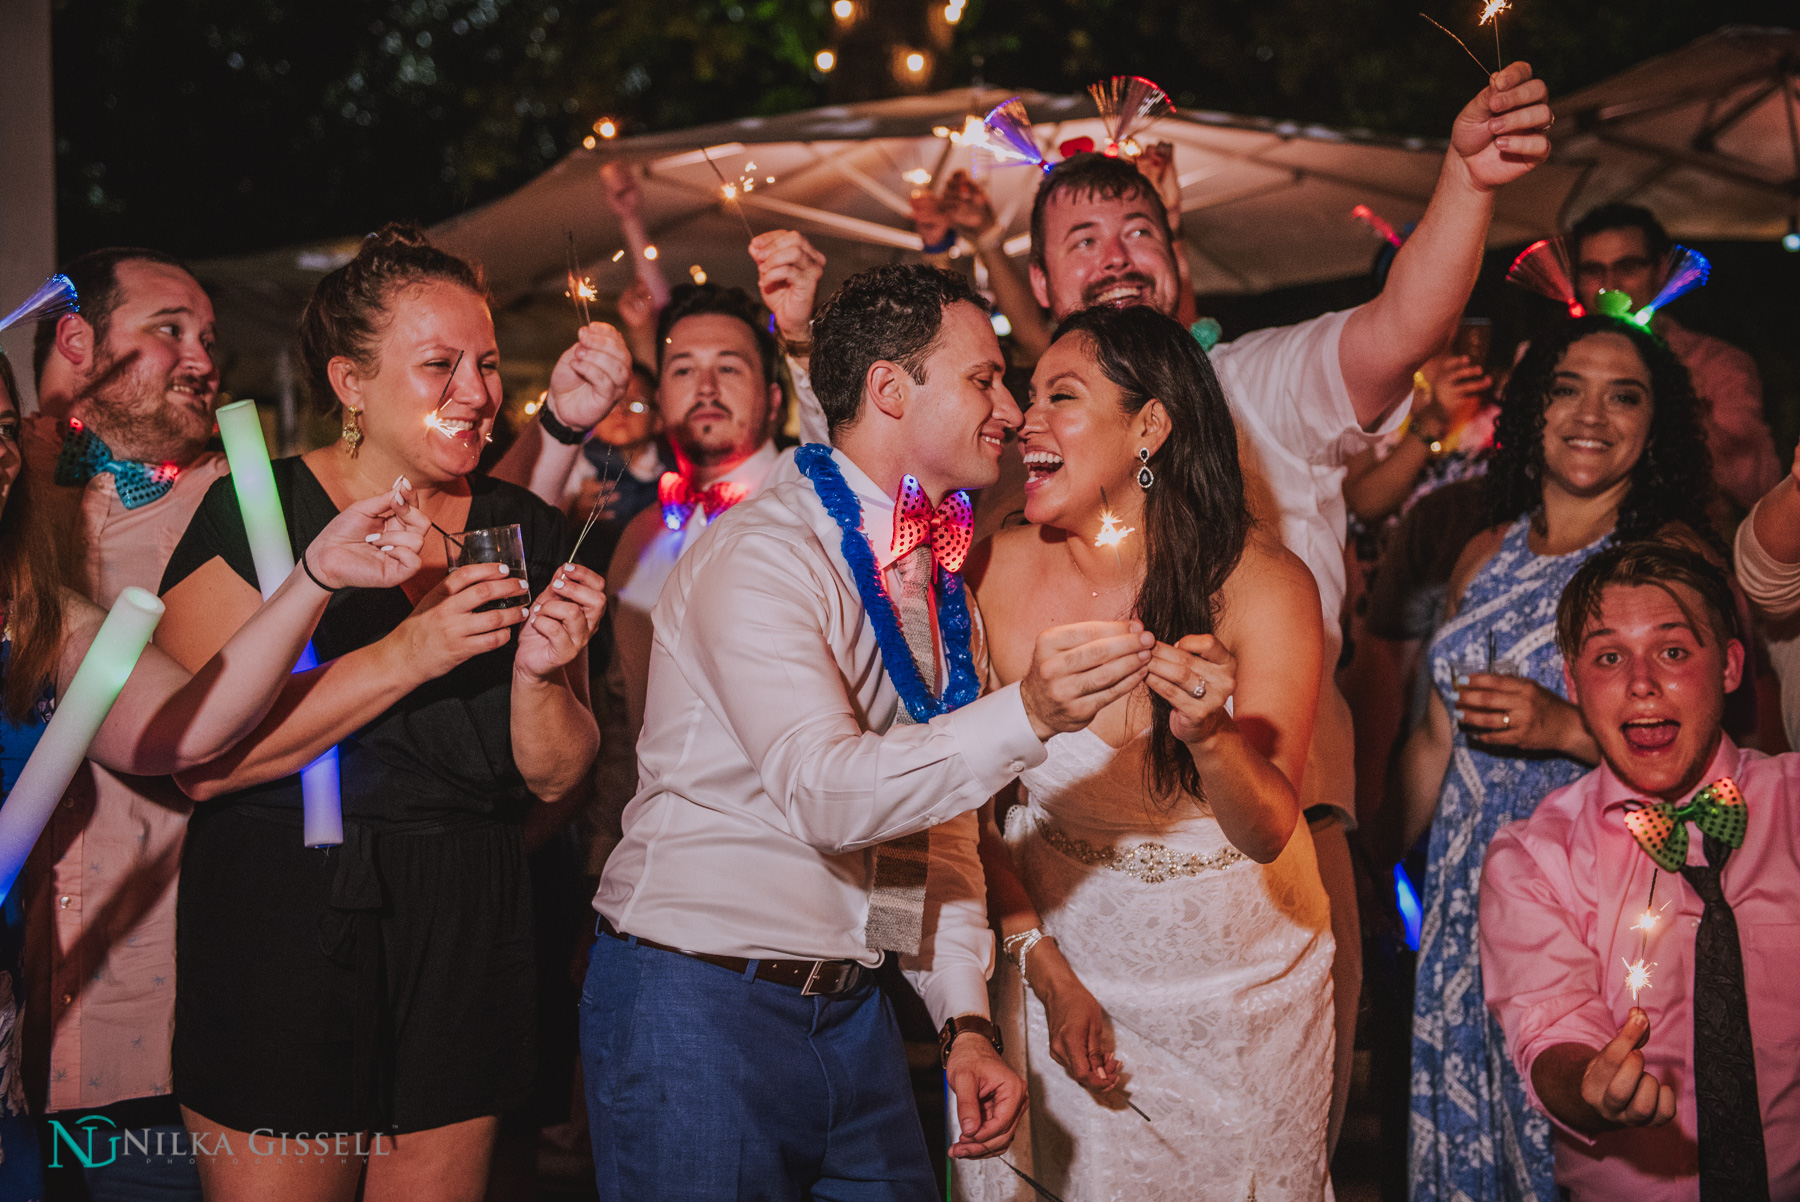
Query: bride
[[1155, 884]]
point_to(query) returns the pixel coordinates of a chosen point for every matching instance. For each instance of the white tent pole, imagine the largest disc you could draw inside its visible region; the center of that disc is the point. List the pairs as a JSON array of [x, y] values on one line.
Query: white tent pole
[[28, 177]]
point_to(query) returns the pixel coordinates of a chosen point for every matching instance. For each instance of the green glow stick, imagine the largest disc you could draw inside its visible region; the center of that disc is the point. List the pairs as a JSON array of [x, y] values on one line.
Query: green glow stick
[[273, 555], [79, 712]]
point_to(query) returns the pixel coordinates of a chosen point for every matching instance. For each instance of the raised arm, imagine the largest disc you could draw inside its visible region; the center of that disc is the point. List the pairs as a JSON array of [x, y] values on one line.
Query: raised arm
[[166, 720], [626, 200], [788, 271], [1497, 138], [968, 208], [587, 381]]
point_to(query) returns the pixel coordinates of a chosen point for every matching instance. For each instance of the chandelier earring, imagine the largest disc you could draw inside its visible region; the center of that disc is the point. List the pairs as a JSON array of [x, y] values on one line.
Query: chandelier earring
[[353, 433], [1145, 477]]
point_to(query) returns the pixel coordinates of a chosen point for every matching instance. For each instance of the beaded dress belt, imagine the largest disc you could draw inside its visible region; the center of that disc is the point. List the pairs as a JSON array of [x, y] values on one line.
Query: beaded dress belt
[[1151, 863]]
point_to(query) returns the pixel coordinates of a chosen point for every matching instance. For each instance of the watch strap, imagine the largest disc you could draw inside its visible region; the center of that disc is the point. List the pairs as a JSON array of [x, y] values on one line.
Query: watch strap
[[567, 435], [963, 1024]]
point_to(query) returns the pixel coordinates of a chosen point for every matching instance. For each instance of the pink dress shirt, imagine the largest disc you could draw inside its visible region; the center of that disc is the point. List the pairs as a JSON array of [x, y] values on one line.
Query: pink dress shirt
[[1559, 895], [1726, 380], [100, 937]]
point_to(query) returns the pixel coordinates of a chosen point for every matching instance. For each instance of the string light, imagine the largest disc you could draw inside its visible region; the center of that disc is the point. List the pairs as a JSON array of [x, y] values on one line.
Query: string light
[[588, 142], [918, 177], [915, 62], [825, 60], [650, 253], [843, 10], [606, 127], [698, 273]]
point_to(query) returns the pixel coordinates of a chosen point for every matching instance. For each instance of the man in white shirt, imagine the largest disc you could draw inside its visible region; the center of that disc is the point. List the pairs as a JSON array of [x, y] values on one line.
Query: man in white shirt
[[1305, 397], [733, 1042]]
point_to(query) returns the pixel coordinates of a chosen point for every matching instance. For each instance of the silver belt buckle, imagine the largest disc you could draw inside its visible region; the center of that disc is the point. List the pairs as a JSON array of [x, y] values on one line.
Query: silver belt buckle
[[813, 987]]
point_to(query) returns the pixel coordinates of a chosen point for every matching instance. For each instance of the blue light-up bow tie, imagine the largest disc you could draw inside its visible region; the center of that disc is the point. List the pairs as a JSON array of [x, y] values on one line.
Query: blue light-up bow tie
[[85, 455]]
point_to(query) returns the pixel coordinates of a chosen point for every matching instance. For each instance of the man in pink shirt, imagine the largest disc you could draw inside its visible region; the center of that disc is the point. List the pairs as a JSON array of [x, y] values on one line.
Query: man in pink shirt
[[1623, 247], [118, 454], [1638, 931]]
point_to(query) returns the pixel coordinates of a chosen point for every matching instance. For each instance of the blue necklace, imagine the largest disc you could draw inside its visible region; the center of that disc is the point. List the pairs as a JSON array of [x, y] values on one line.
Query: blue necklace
[[814, 460]]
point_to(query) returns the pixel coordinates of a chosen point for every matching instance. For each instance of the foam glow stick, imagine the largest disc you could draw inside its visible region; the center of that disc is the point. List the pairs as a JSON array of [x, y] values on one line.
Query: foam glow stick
[[79, 713], [322, 824]]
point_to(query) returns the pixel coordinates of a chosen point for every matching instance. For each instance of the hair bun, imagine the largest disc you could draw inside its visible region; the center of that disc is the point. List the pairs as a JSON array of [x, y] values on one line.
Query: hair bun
[[392, 236]]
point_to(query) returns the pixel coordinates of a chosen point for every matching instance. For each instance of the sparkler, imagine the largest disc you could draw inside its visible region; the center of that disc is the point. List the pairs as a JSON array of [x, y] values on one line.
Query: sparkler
[[1028, 1180], [581, 289], [1464, 44], [1491, 12], [435, 419], [1112, 533], [730, 191], [1637, 976]]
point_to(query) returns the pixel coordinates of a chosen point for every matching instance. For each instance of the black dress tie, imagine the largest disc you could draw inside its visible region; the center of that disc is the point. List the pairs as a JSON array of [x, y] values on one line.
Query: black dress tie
[[1733, 1165]]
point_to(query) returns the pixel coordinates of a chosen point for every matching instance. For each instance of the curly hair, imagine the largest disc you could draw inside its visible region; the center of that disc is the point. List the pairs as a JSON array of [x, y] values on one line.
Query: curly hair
[[1671, 481]]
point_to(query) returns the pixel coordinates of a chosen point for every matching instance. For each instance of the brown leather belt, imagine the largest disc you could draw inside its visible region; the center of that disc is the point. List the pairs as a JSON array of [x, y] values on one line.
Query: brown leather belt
[[811, 977]]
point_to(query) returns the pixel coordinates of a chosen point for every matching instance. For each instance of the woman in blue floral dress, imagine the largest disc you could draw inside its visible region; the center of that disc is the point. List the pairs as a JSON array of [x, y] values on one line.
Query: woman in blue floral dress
[[1598, 440]]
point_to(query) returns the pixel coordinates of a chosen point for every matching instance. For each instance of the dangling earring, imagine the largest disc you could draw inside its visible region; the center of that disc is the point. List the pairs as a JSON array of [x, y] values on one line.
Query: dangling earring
[[353, 434], [1146, 477]]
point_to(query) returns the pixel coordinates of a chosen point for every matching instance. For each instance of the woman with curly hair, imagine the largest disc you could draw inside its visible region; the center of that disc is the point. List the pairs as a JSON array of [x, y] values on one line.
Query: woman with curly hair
[[1599, 440]]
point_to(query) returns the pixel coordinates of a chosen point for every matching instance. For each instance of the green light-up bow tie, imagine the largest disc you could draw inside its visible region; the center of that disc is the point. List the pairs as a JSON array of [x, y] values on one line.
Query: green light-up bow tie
[[1661, 829]]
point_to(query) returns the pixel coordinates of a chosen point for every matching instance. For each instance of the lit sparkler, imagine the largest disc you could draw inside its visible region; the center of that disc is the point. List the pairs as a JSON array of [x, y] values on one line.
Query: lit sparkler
[[1491, 12], [435, 419], [1637, 977], [1112, 530], [581, 288], [730, 191]]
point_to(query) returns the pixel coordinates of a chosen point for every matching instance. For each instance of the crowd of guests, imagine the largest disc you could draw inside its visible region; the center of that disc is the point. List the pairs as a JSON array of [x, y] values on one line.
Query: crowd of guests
[[1107, 710]]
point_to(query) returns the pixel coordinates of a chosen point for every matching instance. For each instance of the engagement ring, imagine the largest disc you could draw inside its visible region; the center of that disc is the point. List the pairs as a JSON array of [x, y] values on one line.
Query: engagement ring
[[1200, 690]]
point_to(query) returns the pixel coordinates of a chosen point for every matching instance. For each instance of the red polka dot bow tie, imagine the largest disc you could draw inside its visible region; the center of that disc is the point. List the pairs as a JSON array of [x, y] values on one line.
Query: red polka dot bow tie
[[1661, 829], [680, 498], [947, 529]]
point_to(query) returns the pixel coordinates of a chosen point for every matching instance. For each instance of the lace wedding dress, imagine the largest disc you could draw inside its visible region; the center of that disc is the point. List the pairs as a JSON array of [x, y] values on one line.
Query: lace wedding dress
[[1214, 973]]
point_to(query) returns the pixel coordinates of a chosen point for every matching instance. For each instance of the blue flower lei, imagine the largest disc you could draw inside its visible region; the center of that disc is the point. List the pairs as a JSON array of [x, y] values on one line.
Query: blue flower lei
[[814, 460]]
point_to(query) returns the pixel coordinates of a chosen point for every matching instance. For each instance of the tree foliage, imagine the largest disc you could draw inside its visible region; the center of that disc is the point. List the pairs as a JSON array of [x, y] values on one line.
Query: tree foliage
[[220, 126]]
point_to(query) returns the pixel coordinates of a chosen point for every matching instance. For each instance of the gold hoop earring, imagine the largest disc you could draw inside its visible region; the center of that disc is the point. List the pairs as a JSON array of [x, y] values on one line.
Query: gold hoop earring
[[353, 434]]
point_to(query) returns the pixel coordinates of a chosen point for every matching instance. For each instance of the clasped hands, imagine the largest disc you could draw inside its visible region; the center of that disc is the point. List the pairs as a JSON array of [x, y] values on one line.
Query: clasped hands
[[1078, 670]]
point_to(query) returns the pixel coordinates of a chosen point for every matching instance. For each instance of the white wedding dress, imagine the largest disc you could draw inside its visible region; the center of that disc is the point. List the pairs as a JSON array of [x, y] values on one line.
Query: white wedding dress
[[1214, 973]]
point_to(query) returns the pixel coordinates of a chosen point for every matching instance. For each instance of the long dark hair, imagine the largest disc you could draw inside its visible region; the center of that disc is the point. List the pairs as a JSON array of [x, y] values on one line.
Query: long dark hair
[[1195, 518], [31, 584], [1672, 480]]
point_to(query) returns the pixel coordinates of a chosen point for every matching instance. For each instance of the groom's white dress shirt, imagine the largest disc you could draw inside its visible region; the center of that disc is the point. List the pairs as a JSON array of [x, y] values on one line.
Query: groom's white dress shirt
[[770, 766]]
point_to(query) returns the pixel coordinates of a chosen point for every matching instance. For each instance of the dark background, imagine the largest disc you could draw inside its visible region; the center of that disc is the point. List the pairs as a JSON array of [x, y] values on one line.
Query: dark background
[[220, 127]]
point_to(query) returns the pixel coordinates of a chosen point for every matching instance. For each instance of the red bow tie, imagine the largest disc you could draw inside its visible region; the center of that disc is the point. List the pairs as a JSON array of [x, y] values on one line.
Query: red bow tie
[[948, 529], [680, 498]]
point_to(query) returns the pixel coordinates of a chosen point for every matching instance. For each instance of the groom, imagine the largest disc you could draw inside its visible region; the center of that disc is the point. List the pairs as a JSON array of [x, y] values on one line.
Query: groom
[[812, 739]]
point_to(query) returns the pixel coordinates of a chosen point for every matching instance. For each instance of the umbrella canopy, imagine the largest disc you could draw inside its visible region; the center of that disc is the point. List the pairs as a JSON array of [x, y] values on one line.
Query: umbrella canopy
[[1707, 137], [1268, 202]]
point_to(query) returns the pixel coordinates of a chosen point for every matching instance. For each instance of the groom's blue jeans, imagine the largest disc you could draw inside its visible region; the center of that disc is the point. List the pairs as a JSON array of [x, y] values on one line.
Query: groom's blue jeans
[[705, 1085]]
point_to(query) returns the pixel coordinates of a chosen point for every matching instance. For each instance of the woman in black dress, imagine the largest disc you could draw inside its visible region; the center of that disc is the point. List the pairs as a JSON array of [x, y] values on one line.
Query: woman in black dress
[[378, 996]]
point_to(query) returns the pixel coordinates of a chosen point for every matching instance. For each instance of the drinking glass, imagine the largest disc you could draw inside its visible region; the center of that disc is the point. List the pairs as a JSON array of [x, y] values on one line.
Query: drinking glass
[[496, 544]]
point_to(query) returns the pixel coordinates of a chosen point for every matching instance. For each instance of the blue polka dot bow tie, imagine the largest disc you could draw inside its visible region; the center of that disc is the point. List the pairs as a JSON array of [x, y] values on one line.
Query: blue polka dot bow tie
[[86, 455]]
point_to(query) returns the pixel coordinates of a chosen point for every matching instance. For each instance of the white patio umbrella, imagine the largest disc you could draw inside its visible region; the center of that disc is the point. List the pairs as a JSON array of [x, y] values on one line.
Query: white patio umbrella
[[1707, 137]]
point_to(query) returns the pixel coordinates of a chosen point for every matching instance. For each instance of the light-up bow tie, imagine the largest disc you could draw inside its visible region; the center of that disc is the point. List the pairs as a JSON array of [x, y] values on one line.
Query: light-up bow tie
[[680, 498], [1661, 829], [948, 529], [85, 455]]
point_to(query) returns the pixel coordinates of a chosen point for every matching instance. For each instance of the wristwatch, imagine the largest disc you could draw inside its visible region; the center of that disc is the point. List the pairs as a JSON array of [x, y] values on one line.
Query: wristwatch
[[792, 349], [567, 435], [963, 1023]]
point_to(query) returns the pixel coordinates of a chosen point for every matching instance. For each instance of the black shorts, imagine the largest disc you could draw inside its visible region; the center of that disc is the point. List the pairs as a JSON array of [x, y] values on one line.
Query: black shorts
[[406, 1005]]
